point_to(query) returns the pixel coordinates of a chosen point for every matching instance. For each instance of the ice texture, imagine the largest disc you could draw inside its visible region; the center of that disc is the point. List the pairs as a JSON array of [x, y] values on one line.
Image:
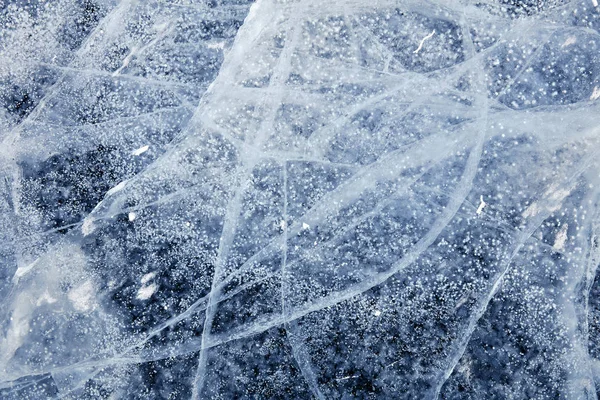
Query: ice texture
[[296, 199]]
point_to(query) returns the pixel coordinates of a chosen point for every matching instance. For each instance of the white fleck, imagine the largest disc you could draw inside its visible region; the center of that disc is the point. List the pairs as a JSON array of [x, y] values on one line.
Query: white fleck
[[461, 301], [82, 296], [347, 377], [160, 27], [595, 3], [482, 204], [595, 94], [561, 238], [117, 188], [126, 61], [216, 45], [558, 196], [282, 224], [423, 41], [531, 211], [570, 40], [88, 226], [146, 292], [377, 313], [22, 271], [131, 216], [141, 150], [147, 277], [305, 226]]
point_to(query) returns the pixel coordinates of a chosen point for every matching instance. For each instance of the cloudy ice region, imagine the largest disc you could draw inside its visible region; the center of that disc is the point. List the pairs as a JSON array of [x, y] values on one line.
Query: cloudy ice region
[[298, 199]]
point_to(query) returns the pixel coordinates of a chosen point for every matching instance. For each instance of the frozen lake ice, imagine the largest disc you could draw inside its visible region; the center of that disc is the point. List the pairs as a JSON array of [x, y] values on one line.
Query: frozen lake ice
[[297, 199]]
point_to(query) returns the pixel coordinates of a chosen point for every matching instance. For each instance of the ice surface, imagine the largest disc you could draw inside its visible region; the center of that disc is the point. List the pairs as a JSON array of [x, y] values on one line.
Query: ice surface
[[219, 199]]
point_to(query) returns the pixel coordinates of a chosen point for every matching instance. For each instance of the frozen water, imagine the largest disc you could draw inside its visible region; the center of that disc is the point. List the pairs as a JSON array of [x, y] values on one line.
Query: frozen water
[[218, 199]]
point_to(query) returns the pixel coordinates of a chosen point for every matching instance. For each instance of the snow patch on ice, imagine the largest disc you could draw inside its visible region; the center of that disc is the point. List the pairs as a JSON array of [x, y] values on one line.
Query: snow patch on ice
[[146, 278], [82, 297], [146, 292], [561, 237], [88, 226]]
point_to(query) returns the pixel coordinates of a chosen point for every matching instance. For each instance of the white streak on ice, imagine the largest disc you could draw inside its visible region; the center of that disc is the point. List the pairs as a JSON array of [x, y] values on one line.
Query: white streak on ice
[[570, 40], [423, 41], [141, 150], [216, 45], [22, 271], [117, 188], [482, 205]]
